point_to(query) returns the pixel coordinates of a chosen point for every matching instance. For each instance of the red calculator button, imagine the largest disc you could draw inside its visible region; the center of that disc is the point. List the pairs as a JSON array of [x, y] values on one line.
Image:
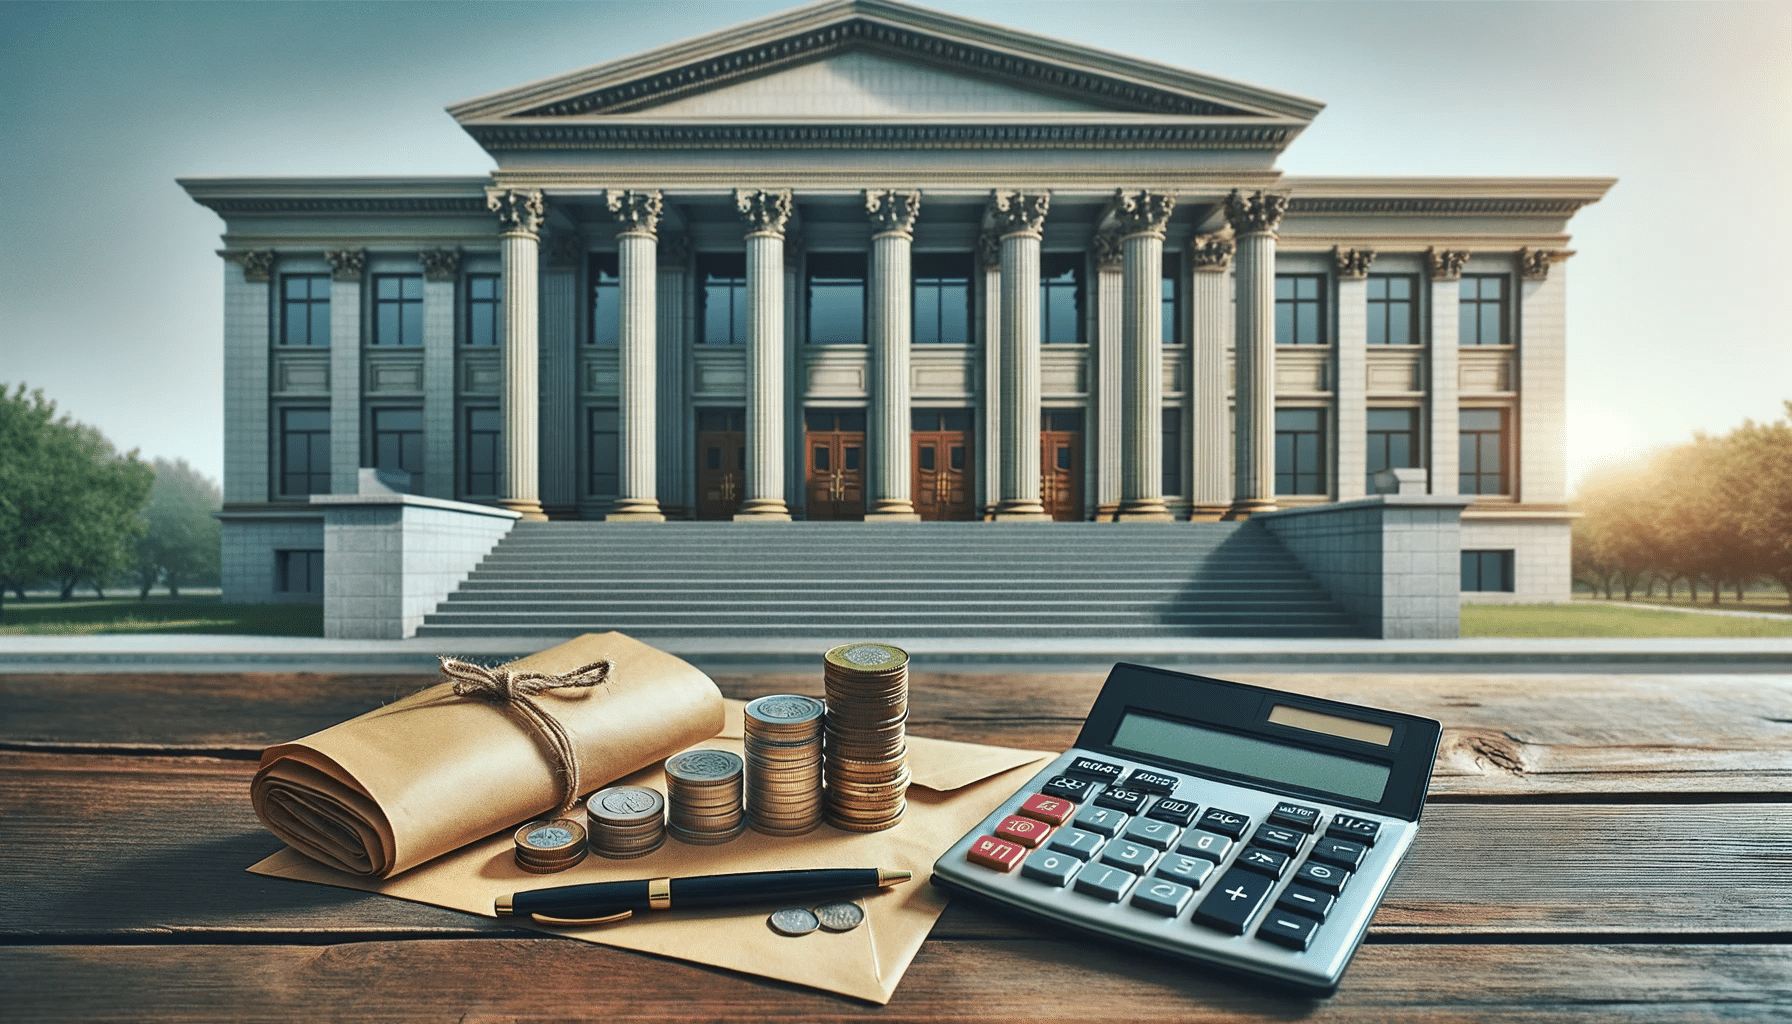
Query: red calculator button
[[1052, 810], [996, 853], [1025, 831]]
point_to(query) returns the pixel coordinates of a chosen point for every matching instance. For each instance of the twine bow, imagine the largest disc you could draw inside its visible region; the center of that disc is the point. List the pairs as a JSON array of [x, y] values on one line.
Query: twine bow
[[514, 691]]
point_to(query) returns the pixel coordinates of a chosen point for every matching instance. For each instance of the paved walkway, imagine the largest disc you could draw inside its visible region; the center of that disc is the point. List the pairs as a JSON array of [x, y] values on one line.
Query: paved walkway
[[1740, 613]]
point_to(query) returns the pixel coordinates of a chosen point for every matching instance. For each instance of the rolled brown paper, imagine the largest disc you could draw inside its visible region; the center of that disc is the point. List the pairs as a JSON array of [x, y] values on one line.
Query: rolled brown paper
[[382, 793]]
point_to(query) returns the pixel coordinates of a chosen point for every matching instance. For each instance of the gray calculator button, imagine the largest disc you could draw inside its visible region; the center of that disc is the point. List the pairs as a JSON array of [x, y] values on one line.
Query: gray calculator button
[[1161, 897], [1159, 834], [1190, 871], [1054, 869], [1104, 820], [1210, 845], [1074, 841], [1107, 883], [1131, 856]]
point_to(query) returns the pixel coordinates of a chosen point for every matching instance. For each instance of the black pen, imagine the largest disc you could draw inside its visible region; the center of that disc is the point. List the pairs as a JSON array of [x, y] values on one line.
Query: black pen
[[602, 902]]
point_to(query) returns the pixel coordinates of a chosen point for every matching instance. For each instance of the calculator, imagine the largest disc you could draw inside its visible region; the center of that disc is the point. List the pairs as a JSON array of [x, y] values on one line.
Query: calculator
[[1230, 825]]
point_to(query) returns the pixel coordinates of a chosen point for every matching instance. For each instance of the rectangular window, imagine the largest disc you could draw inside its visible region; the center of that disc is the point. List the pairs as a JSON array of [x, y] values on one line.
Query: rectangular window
[[1172, 453], [942, 298], [484, 464], [1300, 451], [1061, 298], [304, 451], [1300, 309], [299, 572], [1487, 570], [398, 443], [1481, 461], [485, 310], [398, 309], [604, 454], [1483, 310], [305, 309], [1172, 303], [836, 298], [722, 300], [1393, 441], [606, 301], [1393, 312]]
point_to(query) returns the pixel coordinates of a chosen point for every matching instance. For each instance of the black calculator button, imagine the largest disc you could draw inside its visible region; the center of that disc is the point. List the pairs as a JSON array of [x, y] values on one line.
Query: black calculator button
[[1190, 871], [1295, 816], [1226, 823], [1322, 876], [1130, 856], [1210, 845], [1285, 929], [1161, 897], [1176, 812], [1074, 841], [1104, 882], [1276, 837], [1360, 829], [1234, 900], [1152, 782], [1128, 800], [1100, 771], [1302, 900], [1267, 862], [1103, 820], [1054, 869], [1342, 852], [1074, 790], [1157, 834]]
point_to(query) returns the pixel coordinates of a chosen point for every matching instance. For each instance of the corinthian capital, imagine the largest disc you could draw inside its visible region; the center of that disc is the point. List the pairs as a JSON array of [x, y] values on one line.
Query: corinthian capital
[[1445, 264], [1212, 252], [1533, 264], [257, 264], [637, 212], [1352, 264], [1142, 213], [1108, 252], [892, 212], [520, 211], [346, 264], [765, 212], [1018, 213], [1259, 213], [440, 264]]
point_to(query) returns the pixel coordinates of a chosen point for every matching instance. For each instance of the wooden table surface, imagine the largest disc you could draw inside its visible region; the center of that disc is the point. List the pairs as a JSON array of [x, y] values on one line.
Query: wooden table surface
[[1596, 847]]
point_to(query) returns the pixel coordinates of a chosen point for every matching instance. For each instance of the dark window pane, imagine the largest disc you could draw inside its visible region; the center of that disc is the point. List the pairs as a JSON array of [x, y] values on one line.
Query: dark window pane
[[723, 298], [1285, 324], [1284, 287], [714, 459], [1300, 451], [1378, 324], [1480, 419], [604, 475], [1299, 309], [955, 419], [852, 456], [958, 456], [1061, 298], [606, 300], [927, 456], [1063, 456], [484, 310], [822, 453], [836, 298]]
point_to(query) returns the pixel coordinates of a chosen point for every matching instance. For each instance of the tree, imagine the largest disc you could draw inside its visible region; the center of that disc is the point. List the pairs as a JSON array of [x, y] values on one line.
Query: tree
[[181, 540], [1762, 496]]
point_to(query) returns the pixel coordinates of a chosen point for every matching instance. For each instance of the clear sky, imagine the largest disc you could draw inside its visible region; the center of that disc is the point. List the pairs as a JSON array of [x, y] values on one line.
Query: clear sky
[[110, 292]]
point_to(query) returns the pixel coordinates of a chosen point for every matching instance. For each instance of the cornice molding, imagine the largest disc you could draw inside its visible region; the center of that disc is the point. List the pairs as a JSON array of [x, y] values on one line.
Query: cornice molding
[[510, 136], [1533, 264], [1436, 206], [440, 264], [232, 206], [1352, 264], [893, 211]]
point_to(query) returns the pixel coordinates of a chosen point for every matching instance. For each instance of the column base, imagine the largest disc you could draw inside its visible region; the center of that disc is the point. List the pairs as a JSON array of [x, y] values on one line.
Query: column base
[[1245, 508], [1146, 517], [635, 510], [1021, 510], [1106, 513], [898, 509], [1208, 513], [1144, 510], [633, 517], [529, 507], [762, 510]]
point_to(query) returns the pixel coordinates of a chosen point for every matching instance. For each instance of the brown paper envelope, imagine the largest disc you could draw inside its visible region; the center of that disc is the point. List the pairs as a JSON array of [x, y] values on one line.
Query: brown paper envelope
[[957, 784]]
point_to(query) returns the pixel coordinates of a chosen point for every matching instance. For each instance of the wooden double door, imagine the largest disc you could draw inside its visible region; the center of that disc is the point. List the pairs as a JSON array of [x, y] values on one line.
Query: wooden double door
[[834, 460], [721, 462], [1061, 463], [940, 458]]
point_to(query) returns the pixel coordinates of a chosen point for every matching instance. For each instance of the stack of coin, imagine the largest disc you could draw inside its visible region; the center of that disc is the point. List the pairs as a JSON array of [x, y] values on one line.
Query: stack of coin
[[783, 741], [867, 758], [626, 821], [703, 796], [544, 847]]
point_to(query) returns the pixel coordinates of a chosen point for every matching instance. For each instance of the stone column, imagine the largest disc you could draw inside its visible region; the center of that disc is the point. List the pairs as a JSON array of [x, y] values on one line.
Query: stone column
[[1142, 216], [891, 332], [1109, 331], [563, 297], [248, 477], [766, 214], [520, 216], [1540, 474], [1445, 267], [989, 266], [637, 243], [347, 270], [675, 441], [1210, 425], [1254, 219], [441, 278], [1351, 440], [1019, 219]]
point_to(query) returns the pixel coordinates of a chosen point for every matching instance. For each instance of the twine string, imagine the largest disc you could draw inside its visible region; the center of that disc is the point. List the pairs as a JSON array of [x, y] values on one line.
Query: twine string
[[515, 692]]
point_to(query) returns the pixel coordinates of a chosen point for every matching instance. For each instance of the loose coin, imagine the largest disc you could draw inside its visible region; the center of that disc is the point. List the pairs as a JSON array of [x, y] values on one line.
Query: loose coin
[[840, 917], [793, 921]]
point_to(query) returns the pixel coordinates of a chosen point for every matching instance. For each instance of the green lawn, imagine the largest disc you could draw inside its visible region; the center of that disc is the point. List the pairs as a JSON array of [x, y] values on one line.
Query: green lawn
[[1570, 620], [50, 617]]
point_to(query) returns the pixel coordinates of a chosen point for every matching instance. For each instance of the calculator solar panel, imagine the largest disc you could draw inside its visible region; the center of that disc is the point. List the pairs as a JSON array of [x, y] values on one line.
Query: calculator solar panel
[[1232, 825]]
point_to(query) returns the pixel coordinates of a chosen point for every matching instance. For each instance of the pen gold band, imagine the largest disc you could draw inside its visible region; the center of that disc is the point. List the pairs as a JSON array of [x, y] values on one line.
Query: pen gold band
[[659, 893]]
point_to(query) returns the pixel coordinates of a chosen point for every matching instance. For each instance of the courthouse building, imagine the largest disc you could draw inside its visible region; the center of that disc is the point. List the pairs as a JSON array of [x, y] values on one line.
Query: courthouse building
[[867, 260]]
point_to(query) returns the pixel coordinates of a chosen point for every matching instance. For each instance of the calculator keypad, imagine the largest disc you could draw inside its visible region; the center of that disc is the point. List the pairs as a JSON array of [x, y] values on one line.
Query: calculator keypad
[[1103, 820], [1079, 844], [1285, 929], [1103, 882]]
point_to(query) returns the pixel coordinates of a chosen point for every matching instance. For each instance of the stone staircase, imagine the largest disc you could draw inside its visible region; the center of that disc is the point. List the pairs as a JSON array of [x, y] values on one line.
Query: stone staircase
[[828, 580]]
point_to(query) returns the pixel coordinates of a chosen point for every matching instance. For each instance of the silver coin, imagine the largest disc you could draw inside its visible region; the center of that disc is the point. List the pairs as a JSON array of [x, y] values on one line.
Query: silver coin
[[702, 766], [840, 917], [793, 921], [785, 709]]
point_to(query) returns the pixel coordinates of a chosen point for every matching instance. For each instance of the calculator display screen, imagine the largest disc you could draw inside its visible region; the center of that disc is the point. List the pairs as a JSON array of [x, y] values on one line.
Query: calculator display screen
[[1251, 757]]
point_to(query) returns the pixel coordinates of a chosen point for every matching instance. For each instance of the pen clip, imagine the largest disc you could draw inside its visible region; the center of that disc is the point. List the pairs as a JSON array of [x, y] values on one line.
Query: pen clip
[[579, 921]]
